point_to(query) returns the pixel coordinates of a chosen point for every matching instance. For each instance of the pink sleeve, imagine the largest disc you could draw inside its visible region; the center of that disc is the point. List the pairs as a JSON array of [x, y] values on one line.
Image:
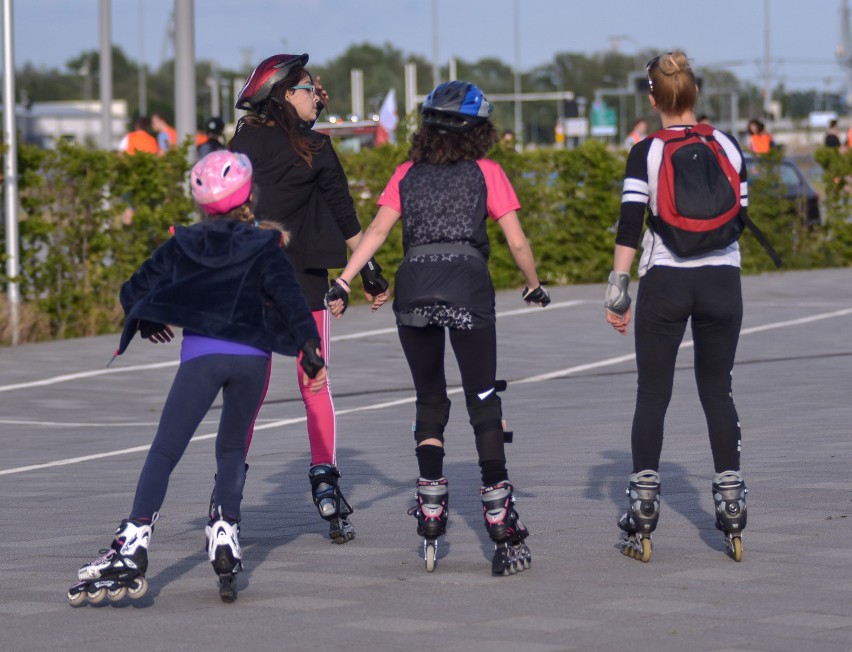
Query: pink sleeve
[[390, 195], [501, 196]]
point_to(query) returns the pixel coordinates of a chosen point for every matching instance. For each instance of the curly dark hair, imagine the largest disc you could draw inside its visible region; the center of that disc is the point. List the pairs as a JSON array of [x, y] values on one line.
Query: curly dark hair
[[431, 144], [275, 111]]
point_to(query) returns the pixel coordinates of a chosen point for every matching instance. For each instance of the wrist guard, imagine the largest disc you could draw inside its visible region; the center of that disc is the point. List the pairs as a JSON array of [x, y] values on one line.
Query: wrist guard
[[617, 299], [371, 278], [539, 296], [312, 361], [335, 292]]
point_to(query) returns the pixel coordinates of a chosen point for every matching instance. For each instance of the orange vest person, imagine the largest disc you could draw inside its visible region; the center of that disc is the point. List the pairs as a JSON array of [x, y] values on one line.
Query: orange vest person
[[166, 134], [139, 140], [760, 142]]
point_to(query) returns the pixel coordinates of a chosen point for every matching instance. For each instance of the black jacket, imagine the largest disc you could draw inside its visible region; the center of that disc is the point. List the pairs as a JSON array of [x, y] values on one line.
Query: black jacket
[[224, 279], [312, 203]]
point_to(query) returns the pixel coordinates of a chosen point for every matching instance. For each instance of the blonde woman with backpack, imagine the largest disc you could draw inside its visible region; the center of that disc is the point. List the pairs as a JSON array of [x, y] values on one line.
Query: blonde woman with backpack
[[687, 275]]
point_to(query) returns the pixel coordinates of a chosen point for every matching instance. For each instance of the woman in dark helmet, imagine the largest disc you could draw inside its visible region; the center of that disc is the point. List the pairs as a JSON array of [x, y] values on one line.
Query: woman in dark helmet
[[444, 196], [679, 285], [303, 188]]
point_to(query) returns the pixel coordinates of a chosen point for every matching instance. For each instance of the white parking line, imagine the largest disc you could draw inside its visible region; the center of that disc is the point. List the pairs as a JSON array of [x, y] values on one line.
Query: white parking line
[[53, 380], [559, 373]]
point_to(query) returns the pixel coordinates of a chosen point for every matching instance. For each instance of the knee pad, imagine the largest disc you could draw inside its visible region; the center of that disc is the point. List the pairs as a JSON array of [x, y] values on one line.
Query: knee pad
[[431, 417], [486, 410]]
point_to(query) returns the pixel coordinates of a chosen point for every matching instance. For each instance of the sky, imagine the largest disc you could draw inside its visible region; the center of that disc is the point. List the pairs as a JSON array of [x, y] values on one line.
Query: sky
[[728, 34]]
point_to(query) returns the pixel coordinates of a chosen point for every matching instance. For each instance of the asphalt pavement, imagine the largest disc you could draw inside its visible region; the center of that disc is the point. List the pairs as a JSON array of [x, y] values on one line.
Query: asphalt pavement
[[74, 437]]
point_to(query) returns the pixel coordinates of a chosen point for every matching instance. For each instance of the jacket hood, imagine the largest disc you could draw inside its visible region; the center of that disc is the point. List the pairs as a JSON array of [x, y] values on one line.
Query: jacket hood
[[216, 243]]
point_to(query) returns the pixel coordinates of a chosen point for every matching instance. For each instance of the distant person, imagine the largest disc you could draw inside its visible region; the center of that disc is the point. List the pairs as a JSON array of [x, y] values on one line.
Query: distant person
[[213, 131], [832, 136], [140, 138], [637, 133], [759, 140], [166, 134], [703, 119], [507, 138]]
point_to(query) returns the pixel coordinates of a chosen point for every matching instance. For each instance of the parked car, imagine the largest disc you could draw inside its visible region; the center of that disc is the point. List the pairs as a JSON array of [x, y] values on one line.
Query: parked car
[[795, 188]]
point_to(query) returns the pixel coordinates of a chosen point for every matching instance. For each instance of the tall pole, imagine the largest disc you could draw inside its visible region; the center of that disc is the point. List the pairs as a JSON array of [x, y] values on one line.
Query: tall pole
[[10, 172], [767, 76], [519, 125], [106, 74], [143, 82], [185, 104], [436, 63]]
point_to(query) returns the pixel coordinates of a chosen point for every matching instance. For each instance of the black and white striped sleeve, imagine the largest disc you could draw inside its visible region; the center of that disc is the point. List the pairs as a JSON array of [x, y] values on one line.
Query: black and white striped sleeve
[[634, 196]]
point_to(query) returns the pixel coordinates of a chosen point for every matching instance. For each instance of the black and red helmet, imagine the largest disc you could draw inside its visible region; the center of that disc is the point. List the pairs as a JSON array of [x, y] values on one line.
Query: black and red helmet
[[268, 73]]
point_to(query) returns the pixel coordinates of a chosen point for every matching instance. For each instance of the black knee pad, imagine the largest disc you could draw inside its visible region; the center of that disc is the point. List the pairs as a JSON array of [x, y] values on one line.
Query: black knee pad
[[486, 414], [432, 415]]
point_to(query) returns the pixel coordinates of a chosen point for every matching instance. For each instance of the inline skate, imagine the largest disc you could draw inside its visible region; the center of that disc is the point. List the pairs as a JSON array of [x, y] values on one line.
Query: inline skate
[[119, 571], [330, 503], [223, 551], [432, 512], [729, 495], [643, 512], [511, 553]]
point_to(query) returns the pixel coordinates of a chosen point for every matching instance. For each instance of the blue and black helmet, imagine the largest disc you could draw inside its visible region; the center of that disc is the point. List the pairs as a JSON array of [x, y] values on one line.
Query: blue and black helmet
[[456, 106]]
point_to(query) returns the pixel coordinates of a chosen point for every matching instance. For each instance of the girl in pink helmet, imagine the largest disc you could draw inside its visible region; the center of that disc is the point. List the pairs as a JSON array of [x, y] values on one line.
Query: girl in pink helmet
[[229, 285]]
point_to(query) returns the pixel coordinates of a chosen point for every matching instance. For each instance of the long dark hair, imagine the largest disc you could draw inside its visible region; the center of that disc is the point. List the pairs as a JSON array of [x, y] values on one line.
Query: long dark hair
[[432, 144], [276, 111]]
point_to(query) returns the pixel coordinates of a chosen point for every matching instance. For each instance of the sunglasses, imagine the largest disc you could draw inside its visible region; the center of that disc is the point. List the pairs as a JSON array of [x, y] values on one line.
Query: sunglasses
[[648, 66], [305, 87]]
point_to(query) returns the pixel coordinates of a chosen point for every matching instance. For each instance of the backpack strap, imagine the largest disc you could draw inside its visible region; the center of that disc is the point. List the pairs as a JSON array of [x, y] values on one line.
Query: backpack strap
[[758, 234]]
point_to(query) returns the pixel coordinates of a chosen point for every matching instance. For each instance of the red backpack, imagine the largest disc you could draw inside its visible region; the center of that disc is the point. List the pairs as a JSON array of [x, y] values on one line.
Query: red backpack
[[698, 193]]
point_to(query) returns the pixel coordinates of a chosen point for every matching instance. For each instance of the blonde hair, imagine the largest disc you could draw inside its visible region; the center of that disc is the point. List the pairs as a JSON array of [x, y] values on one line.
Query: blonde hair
[[672, 83]]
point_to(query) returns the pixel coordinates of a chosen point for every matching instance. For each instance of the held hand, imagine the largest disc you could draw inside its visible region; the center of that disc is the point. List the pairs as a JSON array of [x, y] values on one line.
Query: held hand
[[378, 300], [322, 94], [337, 298], [619, 323]]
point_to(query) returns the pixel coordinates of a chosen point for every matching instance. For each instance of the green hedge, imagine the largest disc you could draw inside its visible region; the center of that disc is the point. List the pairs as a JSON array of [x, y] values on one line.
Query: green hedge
[[76, 251]]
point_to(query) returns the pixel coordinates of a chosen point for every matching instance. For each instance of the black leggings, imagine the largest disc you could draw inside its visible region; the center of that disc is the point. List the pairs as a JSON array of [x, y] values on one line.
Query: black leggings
[[667, 298], [243, 380], [476, 354]]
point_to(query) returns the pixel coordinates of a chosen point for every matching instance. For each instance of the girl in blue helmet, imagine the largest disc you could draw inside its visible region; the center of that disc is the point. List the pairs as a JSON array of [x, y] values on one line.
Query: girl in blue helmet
[[444, 195], [229, 285]]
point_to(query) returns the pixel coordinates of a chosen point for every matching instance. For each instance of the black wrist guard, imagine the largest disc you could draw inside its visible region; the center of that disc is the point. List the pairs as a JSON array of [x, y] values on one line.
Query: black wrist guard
[[371, 278], [539, 296], [334, 293], [149, 328], [312, 361]]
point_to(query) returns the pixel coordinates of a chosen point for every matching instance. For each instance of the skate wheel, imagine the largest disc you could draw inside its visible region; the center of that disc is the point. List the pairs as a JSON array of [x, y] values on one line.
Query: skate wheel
[[115, 595], [646, 551], [97, 596], [228, 588], [737, 548], [76, 599], [429, 555], [138, 588]]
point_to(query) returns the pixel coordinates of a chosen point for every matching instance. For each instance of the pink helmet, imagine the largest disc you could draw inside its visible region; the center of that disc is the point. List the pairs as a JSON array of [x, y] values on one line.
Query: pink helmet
[[221, 181]]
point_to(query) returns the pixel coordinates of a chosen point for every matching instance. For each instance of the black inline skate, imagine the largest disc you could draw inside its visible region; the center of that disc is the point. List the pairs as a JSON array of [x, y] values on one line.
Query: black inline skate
[[643, 512], [729, 495], [223, 551], [119, 571], [432, 512], [331, 504], [511, 554]]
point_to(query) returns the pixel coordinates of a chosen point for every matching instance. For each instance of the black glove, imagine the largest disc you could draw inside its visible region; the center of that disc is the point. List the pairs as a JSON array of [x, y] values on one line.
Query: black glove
[[539, 296], [312, 361], [371, 278], [336, 292]]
